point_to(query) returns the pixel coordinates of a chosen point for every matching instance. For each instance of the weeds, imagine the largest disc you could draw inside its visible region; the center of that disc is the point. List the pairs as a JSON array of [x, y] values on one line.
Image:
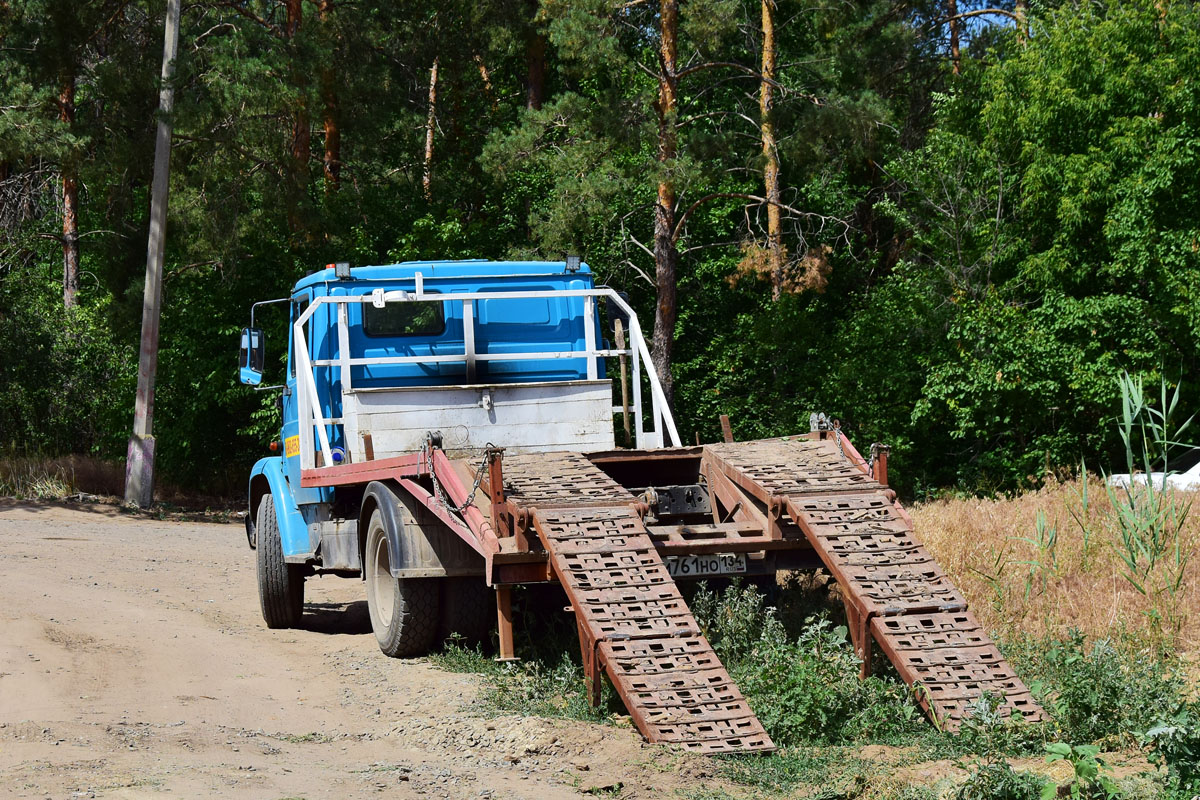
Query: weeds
[[835, 769], [993, 778], [1098, 693], [534, 687], [802, 680], [548, 679], [1087, 783], [1147, 520], [986, 730], [1175, 746], [1043, 567], [1067, 555], [804, 688]]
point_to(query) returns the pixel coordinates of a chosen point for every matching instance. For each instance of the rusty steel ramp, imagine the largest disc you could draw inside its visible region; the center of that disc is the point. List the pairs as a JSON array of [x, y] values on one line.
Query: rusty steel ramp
[[633, 623], [894, 591]]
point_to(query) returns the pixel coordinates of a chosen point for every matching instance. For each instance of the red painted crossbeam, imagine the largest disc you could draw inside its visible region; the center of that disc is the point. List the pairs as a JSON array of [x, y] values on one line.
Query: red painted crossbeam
[[366, 471]]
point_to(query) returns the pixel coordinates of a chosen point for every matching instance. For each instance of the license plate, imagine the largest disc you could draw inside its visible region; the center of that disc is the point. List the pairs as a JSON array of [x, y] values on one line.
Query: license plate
[[699, 566]]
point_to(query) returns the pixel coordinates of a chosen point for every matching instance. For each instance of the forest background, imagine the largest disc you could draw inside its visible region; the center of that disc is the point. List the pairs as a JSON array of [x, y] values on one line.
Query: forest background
[[950, 225]]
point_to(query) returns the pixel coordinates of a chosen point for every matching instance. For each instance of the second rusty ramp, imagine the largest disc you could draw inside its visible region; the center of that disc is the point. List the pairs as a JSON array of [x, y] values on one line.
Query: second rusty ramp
[[894, 591]]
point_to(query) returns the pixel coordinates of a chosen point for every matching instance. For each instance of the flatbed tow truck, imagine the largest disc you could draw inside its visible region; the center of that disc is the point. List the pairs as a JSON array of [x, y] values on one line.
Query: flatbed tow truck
[[449, 433]]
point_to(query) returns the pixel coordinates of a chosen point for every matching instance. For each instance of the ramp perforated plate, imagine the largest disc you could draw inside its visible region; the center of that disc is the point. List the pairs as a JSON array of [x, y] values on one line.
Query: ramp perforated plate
[[954, 662], [900, 588], [872, 553], [672, 682], [788, 466], [548, 480], [683, 696]]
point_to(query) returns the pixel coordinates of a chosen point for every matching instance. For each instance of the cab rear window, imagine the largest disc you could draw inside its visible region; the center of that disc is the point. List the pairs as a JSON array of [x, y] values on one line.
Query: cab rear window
[[410, 318]]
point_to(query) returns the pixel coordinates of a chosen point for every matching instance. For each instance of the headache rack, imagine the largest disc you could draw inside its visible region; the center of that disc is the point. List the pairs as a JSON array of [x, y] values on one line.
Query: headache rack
[[316, 429]]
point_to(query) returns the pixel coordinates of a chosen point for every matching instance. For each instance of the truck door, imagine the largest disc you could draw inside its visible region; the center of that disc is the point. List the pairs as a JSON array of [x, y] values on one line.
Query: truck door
[[291, 407]]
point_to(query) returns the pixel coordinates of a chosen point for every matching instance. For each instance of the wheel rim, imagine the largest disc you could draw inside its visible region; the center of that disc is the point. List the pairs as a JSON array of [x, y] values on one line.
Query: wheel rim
[[383, 585]]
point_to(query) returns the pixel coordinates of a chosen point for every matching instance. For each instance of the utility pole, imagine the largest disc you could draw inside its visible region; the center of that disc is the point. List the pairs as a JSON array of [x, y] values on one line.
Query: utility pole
[[139, 463]]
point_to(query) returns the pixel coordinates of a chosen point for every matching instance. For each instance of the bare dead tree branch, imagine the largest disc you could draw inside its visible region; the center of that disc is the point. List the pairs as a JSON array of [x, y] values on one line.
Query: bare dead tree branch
[[751, 198]]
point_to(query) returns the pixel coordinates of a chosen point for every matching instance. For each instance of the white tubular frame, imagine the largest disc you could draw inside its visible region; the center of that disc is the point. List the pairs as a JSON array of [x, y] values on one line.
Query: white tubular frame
[[310, 403]]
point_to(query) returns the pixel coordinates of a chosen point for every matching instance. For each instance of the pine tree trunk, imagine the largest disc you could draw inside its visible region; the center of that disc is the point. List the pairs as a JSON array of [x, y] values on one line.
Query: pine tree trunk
[[665, 254], [535, 68], [301, 147], [333, 132], [955, 54], [70, 207], [1022, 10], [766, 106], [430, 122]]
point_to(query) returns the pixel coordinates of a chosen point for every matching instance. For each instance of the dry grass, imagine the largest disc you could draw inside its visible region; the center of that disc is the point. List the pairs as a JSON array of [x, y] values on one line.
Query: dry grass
[[38, 478], [63, 477], [1017, 587]]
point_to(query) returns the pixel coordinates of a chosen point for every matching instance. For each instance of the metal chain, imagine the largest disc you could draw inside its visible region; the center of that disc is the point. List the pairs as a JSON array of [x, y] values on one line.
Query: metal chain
[[837, 437], [836, 427], [437, 486]]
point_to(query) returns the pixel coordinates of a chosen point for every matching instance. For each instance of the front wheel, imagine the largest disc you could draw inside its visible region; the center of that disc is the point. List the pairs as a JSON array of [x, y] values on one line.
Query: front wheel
[[404, 611], [280, 585]]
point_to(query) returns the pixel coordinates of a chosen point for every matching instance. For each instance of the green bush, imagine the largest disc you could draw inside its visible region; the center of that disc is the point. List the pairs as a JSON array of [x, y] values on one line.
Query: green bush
[[995, 779], [67, 380], [1175, 745], [1098, 693], [805, 689]]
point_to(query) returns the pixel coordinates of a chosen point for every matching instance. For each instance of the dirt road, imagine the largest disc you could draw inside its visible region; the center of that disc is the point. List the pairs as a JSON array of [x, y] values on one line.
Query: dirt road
[[134, 663]]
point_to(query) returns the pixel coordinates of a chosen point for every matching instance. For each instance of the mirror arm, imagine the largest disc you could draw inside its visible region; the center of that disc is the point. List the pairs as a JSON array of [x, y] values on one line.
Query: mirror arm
[[266, 303]]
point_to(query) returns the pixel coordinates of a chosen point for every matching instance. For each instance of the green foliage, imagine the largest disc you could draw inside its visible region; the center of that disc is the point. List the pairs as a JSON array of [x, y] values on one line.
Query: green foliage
[[1175, 745], [998, 242], [1053, 210], [1098, 692], [995, 779], [1088, 783], [805, 689], [67, 382]]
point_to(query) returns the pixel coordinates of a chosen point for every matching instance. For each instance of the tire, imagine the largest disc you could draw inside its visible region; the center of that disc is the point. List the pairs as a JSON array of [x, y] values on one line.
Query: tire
[[404, 611], [468, 609], [280, 585]]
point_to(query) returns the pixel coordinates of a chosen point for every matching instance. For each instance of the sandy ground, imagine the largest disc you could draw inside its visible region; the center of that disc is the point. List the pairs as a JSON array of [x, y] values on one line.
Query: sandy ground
[[134, 663]]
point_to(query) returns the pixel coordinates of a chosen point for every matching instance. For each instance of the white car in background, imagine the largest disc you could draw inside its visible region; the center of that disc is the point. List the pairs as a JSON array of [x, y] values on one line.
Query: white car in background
[[1186, 481]]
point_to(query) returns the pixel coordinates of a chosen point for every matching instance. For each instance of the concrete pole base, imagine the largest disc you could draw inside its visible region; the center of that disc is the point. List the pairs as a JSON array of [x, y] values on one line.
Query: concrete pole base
[[139, 471]]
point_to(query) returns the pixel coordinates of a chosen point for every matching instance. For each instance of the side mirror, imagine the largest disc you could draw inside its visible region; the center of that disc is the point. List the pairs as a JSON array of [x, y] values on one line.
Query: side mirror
[[615, 312], [250, 357]]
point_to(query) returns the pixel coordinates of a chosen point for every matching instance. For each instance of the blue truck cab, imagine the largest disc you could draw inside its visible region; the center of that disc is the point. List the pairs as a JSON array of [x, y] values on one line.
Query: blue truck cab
[[382, 360]]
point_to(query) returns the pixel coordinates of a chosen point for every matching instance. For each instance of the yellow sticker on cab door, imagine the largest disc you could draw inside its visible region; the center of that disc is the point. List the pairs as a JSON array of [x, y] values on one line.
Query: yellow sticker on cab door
[[291, 446]]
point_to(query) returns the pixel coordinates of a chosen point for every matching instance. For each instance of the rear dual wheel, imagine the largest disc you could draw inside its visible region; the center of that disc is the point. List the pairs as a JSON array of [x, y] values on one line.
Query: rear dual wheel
[[404, 611]]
